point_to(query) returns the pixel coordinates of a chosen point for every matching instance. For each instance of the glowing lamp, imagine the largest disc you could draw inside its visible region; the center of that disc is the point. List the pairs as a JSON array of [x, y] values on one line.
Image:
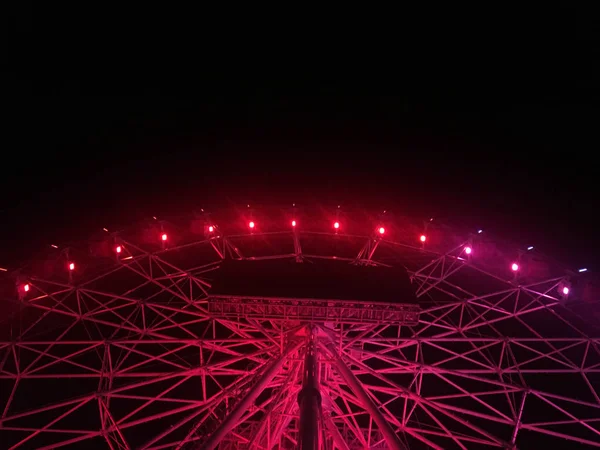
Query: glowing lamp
[[164, 236], [423, 238], [381, 230], [118, 249], [251, 224], [26, 287], [71, 266], [293, 223], [336, 225], [468, 250], [211, 229], [565, 290], [514, 267]]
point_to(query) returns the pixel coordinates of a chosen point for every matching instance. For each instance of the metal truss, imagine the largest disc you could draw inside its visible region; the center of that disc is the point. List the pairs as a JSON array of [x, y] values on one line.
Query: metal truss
[[141, 356]]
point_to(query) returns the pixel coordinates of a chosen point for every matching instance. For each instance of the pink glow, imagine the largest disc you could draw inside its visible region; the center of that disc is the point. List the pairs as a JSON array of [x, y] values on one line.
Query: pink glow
[[565, 290], [468, 250], [336, 225], [514, 267], [381, 230], [118, 249], [211, 229], [251, 224], [164, 236], [293, 223], [423, 238], [26, 287], [72, 266]]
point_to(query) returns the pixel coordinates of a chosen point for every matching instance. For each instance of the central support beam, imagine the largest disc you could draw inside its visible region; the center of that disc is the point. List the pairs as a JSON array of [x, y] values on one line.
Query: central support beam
[[233, 419], [355, 385], [309, 398]]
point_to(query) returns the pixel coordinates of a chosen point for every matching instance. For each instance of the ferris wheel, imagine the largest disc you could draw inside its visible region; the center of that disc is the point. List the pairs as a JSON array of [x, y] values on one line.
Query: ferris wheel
[[261, 329]]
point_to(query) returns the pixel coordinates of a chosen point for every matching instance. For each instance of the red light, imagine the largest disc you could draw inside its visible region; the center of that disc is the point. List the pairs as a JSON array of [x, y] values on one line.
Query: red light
[[423, 238], [381, 230], [164, 236], [211, 229], [514, 267], [293, 223], [468, 250], [118, 249], [26, 288], [251, 224], [72, 266], [336, 225], [565, 290]]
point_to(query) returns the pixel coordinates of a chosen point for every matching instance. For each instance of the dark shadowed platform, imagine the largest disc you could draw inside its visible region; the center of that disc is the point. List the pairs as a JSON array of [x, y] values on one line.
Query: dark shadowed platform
[[322, 279]]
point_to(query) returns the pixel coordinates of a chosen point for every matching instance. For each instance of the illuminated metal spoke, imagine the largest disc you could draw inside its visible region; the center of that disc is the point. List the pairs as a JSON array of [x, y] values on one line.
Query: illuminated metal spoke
[[142, 357]]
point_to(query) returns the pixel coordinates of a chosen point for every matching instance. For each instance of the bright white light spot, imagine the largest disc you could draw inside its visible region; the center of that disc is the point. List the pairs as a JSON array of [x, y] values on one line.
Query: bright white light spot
[[565, 290], [336, 225], [423, 238], [2, 269], [211, 229], [164, 236], [53, 246], [479, 231], [468, 250], [26, 288], [582, 270], [251, 224], [530, 247], [119, 249], [514, 267], [381, 230], [293, 223], [72, 266]]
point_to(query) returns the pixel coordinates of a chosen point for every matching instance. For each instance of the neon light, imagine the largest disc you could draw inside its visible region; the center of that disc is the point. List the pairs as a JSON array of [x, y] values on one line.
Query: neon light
[[72, 266], [514, 267], [164, 237], [423, 238], [381, 230], [468, 250]]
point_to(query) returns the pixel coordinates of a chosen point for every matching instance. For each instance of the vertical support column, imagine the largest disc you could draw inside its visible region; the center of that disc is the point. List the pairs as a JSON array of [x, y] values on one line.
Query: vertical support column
[[355, 385], [232, 420], [309, 398], [513, 440]]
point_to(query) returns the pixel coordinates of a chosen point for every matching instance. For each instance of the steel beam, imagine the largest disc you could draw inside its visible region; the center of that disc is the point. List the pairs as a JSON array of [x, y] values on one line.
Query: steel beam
[[232, 420], [356, 386], [309, 398]]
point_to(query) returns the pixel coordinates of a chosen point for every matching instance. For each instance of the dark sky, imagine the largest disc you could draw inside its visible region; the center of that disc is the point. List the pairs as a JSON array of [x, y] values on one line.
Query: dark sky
[[486, 117]]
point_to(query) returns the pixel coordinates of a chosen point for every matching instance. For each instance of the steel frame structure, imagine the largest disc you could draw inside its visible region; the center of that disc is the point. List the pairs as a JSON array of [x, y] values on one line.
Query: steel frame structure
[[141, 356]]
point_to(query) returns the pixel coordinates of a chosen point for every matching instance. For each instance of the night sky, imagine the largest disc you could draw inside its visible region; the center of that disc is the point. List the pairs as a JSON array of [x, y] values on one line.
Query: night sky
[[489, 121]]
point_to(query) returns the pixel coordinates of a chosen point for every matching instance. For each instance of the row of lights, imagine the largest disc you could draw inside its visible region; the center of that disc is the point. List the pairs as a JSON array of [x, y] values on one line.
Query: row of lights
[[468, 250]]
